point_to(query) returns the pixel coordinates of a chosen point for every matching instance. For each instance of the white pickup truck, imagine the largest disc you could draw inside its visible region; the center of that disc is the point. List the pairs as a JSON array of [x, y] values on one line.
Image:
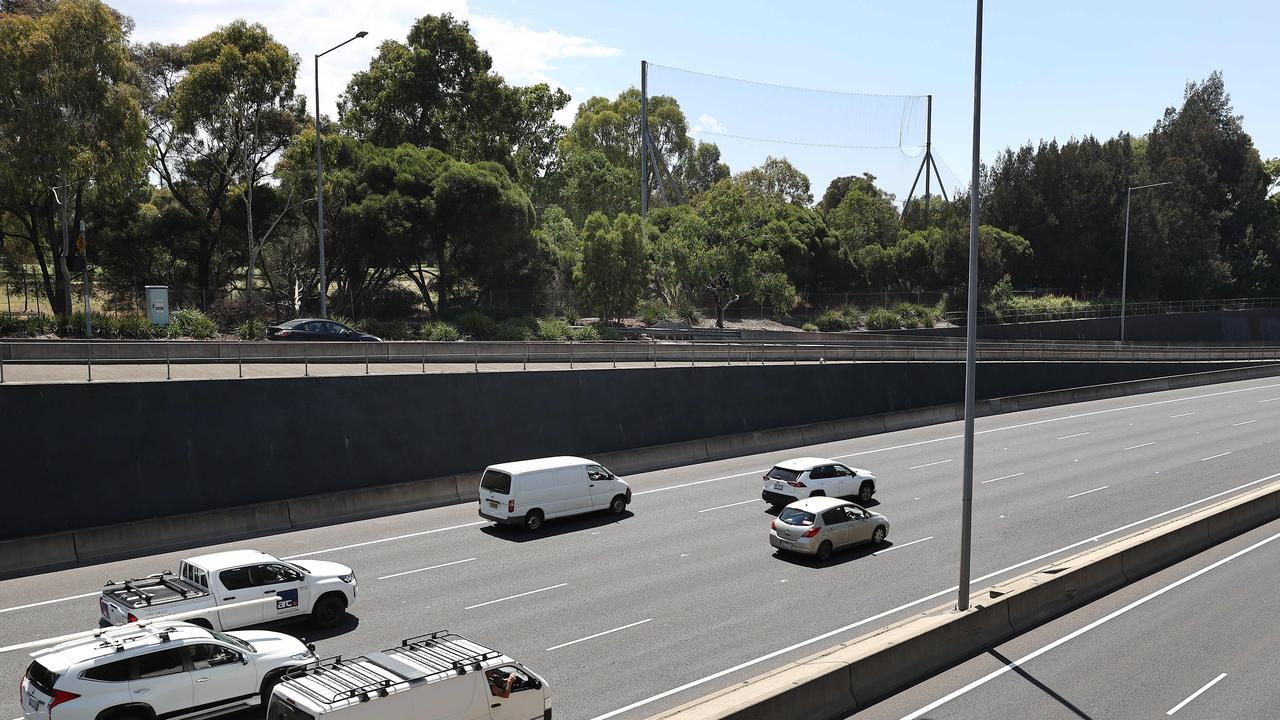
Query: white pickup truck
[[315, 588]]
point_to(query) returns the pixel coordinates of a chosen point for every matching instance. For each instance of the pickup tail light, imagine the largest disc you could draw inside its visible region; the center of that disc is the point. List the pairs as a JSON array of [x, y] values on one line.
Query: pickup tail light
[[61, 696], [811, 532], [773, 525], [132, 618], [511, 505]]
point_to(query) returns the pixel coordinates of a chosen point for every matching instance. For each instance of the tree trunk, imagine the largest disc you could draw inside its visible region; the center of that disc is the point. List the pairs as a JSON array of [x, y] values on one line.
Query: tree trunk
[[719, 311]]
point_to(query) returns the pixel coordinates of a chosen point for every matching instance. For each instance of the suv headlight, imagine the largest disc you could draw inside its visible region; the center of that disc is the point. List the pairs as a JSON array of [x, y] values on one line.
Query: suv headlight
[[303, 656], [349, 578]]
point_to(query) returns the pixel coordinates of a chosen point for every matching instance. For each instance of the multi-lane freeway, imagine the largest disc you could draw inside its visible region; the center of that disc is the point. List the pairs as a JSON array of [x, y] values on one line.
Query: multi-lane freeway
[[1196, 640], [681, 596]]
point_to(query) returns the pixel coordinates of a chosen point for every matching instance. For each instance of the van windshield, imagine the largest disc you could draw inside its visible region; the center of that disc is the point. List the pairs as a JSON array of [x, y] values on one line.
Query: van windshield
[[281, 709], [495, 481]]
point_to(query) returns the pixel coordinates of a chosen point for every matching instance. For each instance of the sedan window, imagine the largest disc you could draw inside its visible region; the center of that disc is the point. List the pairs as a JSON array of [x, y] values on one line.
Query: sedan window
[[834, 516], [795, 516]]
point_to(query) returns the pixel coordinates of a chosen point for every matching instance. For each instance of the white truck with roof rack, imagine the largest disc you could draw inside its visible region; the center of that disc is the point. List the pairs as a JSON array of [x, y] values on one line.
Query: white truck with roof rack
[[315, 588], [441, 676], [165, 669]]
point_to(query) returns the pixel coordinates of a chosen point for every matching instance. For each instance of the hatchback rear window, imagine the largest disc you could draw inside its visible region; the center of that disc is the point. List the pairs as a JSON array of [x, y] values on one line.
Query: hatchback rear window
[[495, 481], [784, 474], [41, 677], [793, 516]]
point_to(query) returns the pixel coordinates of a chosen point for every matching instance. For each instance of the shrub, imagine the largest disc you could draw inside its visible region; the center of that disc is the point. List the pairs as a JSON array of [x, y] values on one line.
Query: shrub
[[837, 320], [652, 312], [571, 315], [138, 327], [476, 325], [883, 319], [69, 326], [38, 325], [251, 329], [192, 324], [809, 327], [516, 329], [687, 311], [916, 316], [105, 326], [552, 329], [12, 326], [586, 333], [439, 331], [610, 334], [387, 329], [344, 320]]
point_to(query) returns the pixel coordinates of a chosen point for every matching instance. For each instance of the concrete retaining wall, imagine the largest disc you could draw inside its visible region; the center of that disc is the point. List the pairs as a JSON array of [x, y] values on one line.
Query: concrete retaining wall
[[852, 676], [149, 466], [1223, 326]]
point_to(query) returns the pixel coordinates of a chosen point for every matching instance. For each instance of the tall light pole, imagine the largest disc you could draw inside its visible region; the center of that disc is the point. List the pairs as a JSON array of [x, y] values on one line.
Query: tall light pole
[[324, 295], [971, 322], [1124, 274]]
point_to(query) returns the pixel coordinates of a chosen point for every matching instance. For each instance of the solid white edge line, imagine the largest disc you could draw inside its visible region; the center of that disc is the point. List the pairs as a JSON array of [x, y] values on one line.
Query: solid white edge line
[[599, 634], [721, 507], [1068, 437], [907, 606], [383, 540], [701, 482], [1145, 444], [940, 462], [1086, 492], [1196, 694], [1215, 457], [1002, 477], [513, 597], [898, 547], [1270, 400], [1246, 422], [433, 567], [1081, 631], [49, 602], [1171, 417]]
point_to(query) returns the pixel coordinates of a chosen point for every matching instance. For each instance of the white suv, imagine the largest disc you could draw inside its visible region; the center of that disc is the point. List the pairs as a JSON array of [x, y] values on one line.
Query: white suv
[[167, 669], [800, 478]]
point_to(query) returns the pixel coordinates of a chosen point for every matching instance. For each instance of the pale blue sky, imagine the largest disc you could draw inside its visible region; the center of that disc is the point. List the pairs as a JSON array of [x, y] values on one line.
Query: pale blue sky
[[1058, 69]]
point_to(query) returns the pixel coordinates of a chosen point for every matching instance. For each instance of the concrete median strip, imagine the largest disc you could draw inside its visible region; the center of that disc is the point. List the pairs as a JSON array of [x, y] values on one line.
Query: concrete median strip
[[854, 675]]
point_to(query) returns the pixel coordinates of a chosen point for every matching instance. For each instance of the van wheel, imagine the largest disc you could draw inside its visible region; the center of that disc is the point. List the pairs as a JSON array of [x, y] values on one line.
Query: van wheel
[[328, 610], [865, 492], [533, 520], [824, 550], [619, 505]]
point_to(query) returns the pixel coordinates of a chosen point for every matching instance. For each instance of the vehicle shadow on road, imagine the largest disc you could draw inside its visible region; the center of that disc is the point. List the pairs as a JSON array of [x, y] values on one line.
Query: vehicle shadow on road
[[838, 557], [306, 632], [556, 527]]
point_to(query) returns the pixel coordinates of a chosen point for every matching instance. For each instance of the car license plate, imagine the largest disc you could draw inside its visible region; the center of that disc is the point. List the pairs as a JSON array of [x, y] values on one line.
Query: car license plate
[[493, 503], [777, 486], [785, 544]]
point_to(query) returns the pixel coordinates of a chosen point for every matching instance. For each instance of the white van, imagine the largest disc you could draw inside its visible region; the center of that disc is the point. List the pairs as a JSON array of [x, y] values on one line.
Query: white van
[[531, 491], [443, 676]]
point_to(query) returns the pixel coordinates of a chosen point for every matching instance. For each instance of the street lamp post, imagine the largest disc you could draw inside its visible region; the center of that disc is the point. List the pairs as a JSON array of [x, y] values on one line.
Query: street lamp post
[[1124, 274], [324, 299]]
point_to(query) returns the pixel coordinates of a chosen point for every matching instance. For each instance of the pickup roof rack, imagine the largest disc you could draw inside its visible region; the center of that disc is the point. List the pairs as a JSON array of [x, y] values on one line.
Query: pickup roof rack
[[421, 659], [143, 592]]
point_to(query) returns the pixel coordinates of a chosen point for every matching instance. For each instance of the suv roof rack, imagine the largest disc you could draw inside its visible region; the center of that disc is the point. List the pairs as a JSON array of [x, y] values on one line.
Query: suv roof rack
[[424, 658]]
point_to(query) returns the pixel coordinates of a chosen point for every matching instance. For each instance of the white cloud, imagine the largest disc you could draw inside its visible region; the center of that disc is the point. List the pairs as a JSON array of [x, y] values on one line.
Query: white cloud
[[521, 54], [707, 123]]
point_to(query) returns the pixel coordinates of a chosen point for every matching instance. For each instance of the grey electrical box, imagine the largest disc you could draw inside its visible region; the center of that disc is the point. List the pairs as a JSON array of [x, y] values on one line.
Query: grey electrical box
[[158, 304]]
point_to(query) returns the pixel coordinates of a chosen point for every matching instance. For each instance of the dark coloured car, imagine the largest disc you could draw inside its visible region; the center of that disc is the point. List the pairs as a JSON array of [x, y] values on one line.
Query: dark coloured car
[[313, 329]]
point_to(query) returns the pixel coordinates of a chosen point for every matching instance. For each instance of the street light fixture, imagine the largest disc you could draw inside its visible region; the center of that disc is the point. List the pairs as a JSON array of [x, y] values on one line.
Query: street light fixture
[[1124, 274], [324, 295]]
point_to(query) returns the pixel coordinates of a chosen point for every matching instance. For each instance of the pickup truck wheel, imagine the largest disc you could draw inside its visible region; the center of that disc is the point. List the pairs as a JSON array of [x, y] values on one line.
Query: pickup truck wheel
[[202, 623], [328, 610]]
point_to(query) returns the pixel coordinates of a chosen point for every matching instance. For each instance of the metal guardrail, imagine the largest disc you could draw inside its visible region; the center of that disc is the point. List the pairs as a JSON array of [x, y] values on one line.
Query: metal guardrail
[[987, 317], [406, 357]]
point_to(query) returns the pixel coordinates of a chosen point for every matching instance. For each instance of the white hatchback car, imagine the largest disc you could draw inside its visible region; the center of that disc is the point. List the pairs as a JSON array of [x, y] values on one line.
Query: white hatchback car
[[792, 480], [157, 670]]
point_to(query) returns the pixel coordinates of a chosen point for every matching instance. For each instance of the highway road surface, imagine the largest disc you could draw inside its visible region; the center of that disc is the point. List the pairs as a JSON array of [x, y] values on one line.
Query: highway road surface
[[1196, 641], [681, 596]]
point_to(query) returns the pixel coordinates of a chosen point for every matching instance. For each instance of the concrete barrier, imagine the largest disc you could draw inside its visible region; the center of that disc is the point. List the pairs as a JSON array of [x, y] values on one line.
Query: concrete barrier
[[112, 542], [852, 676], [349, 505], [44, 552]]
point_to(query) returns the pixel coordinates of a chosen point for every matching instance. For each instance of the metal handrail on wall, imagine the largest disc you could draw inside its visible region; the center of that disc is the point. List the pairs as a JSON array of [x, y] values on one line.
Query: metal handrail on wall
[[416, 356], [986, 317]]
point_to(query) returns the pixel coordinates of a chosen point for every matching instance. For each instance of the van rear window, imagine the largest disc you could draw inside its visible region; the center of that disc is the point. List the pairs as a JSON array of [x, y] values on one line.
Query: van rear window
[[498, 482]]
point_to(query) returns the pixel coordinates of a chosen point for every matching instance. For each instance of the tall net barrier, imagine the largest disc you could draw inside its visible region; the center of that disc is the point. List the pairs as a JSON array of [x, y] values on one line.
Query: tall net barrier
[[824, 133]]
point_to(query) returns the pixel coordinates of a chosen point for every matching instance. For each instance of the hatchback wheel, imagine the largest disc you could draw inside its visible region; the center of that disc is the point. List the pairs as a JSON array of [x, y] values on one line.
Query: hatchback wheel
[[865, 492], [877, 537], [824, 550]]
